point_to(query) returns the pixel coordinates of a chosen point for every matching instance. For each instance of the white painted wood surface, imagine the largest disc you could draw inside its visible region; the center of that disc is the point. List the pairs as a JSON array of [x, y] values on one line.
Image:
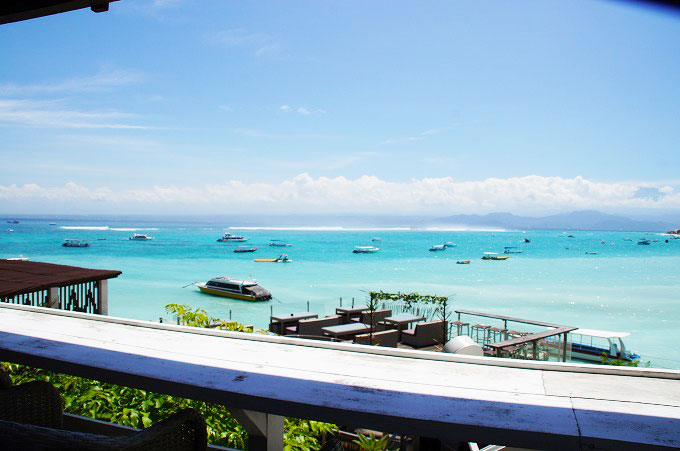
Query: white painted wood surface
[[555, 406]]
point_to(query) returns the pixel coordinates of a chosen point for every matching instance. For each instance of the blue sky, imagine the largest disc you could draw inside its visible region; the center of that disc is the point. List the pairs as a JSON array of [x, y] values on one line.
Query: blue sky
[[382, 106]]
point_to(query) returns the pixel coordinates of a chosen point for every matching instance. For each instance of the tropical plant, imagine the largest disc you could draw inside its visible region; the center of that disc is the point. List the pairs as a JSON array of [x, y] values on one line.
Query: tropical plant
[[371, 443]]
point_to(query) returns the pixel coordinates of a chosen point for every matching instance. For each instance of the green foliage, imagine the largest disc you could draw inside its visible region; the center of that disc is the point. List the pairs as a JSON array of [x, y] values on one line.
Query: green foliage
[[410, 300], [130, 406], [371, 443], [199, 318], [605, 360], [305, 435]]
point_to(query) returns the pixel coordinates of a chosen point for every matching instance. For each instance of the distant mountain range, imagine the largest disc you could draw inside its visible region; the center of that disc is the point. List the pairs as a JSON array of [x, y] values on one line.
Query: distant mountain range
[[577, 220]]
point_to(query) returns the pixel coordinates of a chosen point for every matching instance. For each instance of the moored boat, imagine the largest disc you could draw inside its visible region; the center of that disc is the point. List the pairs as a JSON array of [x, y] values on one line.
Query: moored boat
[[450, 244], [140, 237], [283, 258], [591, 345], [463, 262], [229, 238], [365, 249], [76, 243], [279, 243], [235, 289], [241, 249], [438, 247], [644, 242], [494, 256], [512, 250]]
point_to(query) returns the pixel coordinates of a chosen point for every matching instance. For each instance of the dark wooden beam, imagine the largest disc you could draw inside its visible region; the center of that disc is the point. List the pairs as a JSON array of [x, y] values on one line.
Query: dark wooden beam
[[18, 10]]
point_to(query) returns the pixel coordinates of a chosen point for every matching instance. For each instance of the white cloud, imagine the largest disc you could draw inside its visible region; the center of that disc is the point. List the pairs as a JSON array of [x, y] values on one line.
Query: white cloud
[[49, 114], [107, 78], [366, 194], [260, 43], [302, 110], [284, 108]]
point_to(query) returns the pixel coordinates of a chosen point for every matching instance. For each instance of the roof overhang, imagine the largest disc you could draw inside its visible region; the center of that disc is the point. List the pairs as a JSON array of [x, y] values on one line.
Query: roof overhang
[[17, 10], [600, 333]]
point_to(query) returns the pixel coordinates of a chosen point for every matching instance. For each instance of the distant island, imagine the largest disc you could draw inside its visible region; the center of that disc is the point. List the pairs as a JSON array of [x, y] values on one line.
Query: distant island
[[577, 220]]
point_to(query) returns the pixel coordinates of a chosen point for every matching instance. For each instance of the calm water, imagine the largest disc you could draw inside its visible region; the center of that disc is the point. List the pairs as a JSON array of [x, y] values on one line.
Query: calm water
[[624, 287]]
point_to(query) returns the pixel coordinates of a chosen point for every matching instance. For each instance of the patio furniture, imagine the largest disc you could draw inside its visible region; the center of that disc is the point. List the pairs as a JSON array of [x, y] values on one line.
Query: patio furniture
[[35, 402], [459, 327], [385, 338], [476, 329], [279, 323], [312, 327], [347, 313], [378, 317], [424, 334], [402, 321], [184, 430], [346, 330]]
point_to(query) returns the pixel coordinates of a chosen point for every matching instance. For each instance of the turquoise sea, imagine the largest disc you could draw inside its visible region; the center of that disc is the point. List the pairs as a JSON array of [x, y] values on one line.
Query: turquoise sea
[[624, 287]]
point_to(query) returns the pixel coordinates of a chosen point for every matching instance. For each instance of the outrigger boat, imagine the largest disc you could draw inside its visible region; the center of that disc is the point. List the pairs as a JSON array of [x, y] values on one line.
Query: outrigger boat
[[141, 237], [283, 258], [591, 344], [235, 289], [245, 249], [494, 256], [365, 250], [229, 238], [463, 262], [76, 243]]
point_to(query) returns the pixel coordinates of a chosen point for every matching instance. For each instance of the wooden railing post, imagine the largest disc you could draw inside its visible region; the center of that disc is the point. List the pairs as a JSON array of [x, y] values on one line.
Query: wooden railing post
[[52, 300], [103, 296]]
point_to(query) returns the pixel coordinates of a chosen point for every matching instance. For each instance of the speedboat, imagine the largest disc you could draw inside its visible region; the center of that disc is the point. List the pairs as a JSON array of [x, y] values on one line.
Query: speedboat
[[463, 262], [494, 256], [512, 250], [235, 289], [644, 242], [245, 249], [76, 243], [140, 237], [438, 247], [229, 238], [591, 344], [365, 250], [283, 258], [279, 243]]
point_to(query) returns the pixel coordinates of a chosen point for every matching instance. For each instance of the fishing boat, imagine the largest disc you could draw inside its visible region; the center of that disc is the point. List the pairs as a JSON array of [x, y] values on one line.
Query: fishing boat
[[140, 237], [591, 344], [494, 256], [365, 250], [283, 258], [644, 242], [242, 249], [512, 250], [76, 243], [229, 238], [279, 243], [438, 247], [235, 289], [463, 262]]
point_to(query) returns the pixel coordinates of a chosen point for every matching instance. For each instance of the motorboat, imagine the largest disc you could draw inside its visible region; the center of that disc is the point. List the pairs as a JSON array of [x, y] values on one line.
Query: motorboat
[[526, 240], [591, 345], [494, 256], [591, 253], [20, 258], [76, 243], [242, 249], [463, 262], [644, 242], [283, 258], [512, 250], [438, 247], [376, 239], [450, 244], [53, 223], [14, 221], [229, 238], [140, 237], [365, 249], [235, 289], [279, 243]]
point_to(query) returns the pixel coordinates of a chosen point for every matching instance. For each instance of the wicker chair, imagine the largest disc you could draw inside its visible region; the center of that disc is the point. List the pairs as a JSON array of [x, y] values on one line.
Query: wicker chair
[[36, 402], [185, 430]]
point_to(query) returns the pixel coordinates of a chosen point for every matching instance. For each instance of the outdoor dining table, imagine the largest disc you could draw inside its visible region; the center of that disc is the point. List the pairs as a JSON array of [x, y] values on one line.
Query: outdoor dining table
[[349, 312], [284, 320], [346, 330], [403, 320]]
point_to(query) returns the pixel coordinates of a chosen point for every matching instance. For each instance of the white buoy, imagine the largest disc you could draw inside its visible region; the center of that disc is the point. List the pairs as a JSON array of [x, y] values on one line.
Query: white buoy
[[464, 345]]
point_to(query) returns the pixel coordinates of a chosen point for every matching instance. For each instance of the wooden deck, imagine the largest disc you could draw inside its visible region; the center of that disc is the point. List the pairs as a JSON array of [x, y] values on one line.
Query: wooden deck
[[540, 405]]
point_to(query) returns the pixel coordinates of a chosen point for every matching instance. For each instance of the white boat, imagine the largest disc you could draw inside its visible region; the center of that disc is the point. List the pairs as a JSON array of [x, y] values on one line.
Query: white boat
[[438, 247], [365, 249], [279, 243], [76, 243], [229, 238], [245, 290], [20, 258], [450, 244], [591, 344], [140, 237], [376, 239]]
